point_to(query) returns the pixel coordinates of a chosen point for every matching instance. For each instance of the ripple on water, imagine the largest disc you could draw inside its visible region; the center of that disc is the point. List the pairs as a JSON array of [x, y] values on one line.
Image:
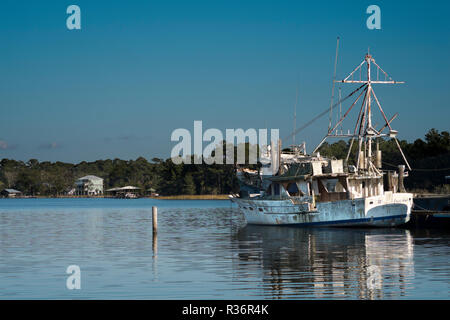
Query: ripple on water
[[204, 250]]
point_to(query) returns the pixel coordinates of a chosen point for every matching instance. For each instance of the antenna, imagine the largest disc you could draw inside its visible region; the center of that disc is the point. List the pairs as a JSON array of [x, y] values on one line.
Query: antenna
[[334, 80], [295, 115], [340, 107]]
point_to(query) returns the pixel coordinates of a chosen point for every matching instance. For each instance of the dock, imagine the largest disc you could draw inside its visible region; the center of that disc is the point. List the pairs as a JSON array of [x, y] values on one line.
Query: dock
[[430, 211]]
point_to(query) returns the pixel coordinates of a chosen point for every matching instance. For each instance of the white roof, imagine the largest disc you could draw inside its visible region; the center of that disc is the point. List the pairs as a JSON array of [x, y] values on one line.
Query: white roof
[[12, 191], [124, 188], [90, 177], [113, 189]]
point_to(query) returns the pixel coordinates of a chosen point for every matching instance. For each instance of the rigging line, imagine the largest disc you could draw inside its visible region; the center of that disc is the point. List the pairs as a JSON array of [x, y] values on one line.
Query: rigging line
[[322, 113], [440, 169], [342, 119], [356, 128], [422, 208], [351, 74], [381, 109], [401, 151], [425, 170], [340, 106]]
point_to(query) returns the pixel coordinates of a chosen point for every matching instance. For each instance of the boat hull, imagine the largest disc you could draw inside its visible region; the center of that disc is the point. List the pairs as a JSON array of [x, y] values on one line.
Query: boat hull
[[379, 211]]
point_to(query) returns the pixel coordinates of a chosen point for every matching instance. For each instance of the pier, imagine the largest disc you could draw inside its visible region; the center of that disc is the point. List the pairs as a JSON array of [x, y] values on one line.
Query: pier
[[430, 210], [429, 219]]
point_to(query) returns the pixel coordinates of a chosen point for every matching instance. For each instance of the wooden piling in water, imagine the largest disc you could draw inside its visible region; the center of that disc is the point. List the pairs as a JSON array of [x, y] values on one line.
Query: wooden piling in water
[[155, 244], [155, 219]]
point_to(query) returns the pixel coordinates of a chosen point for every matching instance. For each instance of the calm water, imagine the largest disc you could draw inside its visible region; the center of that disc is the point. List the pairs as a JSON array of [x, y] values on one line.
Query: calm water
[[205, 251]]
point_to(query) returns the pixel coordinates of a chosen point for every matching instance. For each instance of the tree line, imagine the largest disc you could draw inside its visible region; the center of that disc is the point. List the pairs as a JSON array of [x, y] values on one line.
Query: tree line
[[57, 178], [427, 157]]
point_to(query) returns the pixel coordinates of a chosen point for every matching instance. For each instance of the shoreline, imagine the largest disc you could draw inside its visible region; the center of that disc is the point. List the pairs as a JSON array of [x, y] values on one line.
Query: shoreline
[[194, 197], [176, 197]]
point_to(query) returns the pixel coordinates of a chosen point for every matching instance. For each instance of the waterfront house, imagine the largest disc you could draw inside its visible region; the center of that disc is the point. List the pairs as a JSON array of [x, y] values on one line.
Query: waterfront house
[[89, 186], [10, 193]]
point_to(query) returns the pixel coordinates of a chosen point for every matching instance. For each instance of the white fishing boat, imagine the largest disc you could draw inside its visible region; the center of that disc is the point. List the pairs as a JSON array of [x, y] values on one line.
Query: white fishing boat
[[318, 191]]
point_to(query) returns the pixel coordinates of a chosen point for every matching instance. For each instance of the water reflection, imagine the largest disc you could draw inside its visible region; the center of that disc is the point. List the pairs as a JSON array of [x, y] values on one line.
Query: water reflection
[[326, 263], [207, 253]]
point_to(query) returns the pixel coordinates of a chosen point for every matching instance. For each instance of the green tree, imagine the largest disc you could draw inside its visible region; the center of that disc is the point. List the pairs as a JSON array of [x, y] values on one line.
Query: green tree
[[189, 186]]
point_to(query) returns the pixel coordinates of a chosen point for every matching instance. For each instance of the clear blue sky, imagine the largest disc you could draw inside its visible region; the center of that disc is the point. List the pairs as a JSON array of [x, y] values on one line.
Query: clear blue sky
[[140, 69]]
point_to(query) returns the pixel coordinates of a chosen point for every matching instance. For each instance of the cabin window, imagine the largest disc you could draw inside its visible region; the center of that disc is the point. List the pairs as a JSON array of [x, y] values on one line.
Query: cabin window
[[260, 209], [276, 189], [292, 189], [331, 185]]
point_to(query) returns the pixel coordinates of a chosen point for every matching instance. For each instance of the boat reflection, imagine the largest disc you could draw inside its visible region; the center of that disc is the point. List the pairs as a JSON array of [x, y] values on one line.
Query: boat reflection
[[326, 263]]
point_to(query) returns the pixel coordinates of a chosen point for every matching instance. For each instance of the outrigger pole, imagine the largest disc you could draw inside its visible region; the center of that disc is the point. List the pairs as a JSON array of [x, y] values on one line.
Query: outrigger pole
[[364, 130]]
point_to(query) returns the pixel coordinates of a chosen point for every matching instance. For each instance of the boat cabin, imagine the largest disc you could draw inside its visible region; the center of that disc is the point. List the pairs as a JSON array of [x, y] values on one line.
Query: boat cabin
[[324, 180]]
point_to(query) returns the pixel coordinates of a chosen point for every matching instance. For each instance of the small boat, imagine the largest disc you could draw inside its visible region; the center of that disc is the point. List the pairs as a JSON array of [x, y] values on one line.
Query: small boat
[[312, 190], [130, 195]]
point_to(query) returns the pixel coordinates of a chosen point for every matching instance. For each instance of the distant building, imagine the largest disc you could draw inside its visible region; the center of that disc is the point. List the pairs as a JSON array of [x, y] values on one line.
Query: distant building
[[89, 186], [11, 193], [152, 192], [128, 192]]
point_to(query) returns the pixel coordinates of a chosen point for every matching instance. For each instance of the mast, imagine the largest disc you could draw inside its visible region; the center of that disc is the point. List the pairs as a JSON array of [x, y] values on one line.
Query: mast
[[369, 100], [364, 131]]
